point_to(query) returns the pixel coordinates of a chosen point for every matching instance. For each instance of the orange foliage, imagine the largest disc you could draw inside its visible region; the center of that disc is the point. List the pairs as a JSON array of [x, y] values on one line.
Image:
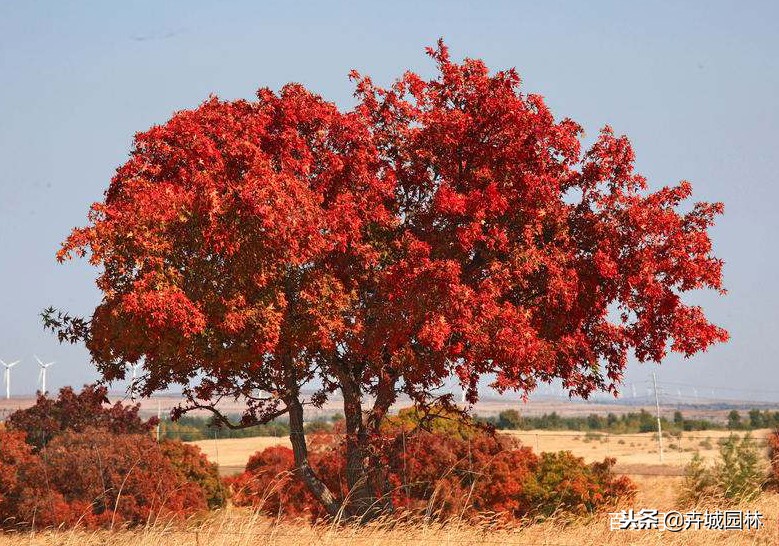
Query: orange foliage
[[773, 454]]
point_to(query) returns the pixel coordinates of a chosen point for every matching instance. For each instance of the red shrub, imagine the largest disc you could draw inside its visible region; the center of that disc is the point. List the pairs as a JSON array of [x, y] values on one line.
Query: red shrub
[[128, 474], [500, 488], [16, 462], [440, 475], [269, 483], [23, 486], [450, 476], [94, 479], [76, 411]]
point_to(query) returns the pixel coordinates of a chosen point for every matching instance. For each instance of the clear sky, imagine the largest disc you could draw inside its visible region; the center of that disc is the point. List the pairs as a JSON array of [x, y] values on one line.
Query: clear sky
[[693, 84]]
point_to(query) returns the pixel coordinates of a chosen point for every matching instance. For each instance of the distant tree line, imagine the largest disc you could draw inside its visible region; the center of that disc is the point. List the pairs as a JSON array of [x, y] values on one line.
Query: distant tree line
[[192, 428], [755, 419], [632, 422]]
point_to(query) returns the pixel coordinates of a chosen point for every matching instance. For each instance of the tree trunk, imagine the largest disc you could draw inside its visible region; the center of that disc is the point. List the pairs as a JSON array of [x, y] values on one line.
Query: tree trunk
[[362, 501], [365, 478], [306, 473]]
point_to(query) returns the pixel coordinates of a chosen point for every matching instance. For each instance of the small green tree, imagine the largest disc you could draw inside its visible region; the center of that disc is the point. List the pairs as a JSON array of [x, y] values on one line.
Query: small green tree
[[756, 419], [734, 420], [678, 419], [509, 420], [738, 475], [699, 483]]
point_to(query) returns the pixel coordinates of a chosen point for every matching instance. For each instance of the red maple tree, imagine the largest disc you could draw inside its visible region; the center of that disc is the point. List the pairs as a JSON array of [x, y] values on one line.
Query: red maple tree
[[442, 227]]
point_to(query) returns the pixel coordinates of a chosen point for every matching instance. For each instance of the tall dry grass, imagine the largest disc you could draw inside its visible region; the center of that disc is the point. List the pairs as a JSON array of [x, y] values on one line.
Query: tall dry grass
[[236, 527]]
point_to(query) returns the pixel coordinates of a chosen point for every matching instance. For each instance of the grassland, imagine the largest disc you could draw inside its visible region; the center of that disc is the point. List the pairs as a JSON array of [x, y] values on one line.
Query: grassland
[[235, 527], [635, 453], [231, 454]]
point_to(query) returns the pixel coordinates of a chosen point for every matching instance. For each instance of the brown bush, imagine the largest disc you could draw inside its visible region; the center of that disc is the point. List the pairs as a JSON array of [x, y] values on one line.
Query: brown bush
[[94, 479], [72, 411], [772, 440]]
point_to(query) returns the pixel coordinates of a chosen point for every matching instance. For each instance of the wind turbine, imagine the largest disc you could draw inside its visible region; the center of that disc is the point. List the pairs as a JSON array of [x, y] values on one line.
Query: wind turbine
[[134, 376], [42, 374], [7, 377]]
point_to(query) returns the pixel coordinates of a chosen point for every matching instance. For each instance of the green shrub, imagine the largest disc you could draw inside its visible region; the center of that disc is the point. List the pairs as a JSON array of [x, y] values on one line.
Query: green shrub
[[589, 436], [699, 482], [564, 482], [193, 467], [738, 475]]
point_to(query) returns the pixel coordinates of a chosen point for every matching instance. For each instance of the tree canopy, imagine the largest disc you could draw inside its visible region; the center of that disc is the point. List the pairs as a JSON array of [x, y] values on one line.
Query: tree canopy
[[448, 227]]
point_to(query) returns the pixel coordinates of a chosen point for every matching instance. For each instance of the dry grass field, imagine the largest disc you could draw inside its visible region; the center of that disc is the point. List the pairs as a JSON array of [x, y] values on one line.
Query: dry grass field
[[238, 528], [233, 453], [637, 456], [635, 453]]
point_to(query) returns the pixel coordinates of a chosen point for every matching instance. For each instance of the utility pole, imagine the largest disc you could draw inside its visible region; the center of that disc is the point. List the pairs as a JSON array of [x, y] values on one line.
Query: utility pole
[[159, 419], [659, 425]]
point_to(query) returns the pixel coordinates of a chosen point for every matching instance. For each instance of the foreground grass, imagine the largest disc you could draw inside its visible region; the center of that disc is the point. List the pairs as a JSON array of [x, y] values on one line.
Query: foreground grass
[[234, 527]]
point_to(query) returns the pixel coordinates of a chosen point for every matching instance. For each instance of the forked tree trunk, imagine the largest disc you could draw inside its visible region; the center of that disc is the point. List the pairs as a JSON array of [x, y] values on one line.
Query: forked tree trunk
[[366, 498]]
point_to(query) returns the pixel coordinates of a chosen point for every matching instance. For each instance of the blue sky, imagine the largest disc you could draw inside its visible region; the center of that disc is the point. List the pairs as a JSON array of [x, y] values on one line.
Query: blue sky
[[693, 84]]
